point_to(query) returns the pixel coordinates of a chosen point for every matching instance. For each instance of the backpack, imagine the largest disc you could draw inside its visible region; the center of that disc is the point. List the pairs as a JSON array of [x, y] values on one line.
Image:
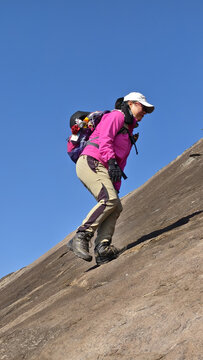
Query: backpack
[[82, 124]]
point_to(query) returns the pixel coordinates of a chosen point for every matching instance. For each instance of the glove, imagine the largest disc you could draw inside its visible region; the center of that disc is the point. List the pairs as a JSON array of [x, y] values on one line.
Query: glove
[[115, 172]]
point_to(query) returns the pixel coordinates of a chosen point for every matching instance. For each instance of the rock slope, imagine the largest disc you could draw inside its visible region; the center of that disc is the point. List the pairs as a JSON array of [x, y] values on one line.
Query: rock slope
[[146, 305]]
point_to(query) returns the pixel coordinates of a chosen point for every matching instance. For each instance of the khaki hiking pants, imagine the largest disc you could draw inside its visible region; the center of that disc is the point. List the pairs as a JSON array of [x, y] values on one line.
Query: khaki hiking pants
[[104, 215]]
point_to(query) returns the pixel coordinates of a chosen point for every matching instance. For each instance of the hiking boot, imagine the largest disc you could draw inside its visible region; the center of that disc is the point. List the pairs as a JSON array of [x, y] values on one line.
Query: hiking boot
[[105, 252], [79, 244]]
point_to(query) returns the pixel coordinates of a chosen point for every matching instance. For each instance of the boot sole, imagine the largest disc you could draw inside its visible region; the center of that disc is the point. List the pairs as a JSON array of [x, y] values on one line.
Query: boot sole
[[77, 253], [105, 261], [82, 256]]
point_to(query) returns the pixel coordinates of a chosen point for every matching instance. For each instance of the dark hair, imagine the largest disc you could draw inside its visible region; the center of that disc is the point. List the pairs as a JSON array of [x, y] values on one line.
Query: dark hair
[[119, 103], [122, 105]]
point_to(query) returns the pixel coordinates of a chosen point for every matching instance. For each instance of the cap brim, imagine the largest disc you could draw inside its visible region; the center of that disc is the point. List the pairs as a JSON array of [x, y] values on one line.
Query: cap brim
[[149, 107]]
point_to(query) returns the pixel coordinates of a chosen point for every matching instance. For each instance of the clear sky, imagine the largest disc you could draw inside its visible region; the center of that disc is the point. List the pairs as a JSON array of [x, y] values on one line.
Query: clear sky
[[59, 56]]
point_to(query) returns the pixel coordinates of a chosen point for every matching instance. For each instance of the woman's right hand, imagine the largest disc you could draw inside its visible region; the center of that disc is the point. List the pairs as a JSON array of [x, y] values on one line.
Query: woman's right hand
[[114, 171]]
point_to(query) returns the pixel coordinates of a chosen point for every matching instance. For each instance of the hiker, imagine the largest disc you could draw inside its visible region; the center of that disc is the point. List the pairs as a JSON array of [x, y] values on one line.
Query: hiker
[[100, 168]]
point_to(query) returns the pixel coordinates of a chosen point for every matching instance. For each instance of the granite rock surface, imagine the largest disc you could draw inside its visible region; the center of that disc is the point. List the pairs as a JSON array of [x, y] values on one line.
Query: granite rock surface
[[145, 305]]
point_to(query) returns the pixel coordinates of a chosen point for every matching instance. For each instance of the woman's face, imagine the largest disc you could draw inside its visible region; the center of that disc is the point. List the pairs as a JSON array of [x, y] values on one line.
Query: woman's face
[[137, 109]]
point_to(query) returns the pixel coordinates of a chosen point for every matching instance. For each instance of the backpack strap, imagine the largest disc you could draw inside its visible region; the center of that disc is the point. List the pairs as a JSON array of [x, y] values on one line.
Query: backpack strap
[[125, 130], [133, 141], [91, 143]]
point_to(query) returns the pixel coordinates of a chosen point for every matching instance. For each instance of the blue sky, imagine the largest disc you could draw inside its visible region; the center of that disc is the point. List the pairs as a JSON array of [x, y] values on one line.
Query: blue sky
[[59, 56]]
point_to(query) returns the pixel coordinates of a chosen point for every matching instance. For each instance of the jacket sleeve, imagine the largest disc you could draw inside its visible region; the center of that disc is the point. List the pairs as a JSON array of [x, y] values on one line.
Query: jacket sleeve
[[110, 125]]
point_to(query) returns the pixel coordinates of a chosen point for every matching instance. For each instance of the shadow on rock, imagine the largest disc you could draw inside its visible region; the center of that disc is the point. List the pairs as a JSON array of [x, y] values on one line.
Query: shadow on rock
[[156, 233]]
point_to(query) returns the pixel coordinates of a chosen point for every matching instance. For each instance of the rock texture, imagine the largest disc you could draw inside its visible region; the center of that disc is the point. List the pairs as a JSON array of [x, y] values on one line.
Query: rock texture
[[146, 305]]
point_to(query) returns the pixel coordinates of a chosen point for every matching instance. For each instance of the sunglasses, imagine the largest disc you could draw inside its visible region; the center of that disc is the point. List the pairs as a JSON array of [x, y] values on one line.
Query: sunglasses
[[144, 108]]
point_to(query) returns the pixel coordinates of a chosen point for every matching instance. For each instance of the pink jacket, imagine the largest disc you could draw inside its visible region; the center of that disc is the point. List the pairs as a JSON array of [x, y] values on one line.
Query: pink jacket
[[110, 144]]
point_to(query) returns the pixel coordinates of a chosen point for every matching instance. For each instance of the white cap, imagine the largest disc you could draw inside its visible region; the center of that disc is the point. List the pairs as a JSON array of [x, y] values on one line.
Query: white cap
[[135, 96]]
